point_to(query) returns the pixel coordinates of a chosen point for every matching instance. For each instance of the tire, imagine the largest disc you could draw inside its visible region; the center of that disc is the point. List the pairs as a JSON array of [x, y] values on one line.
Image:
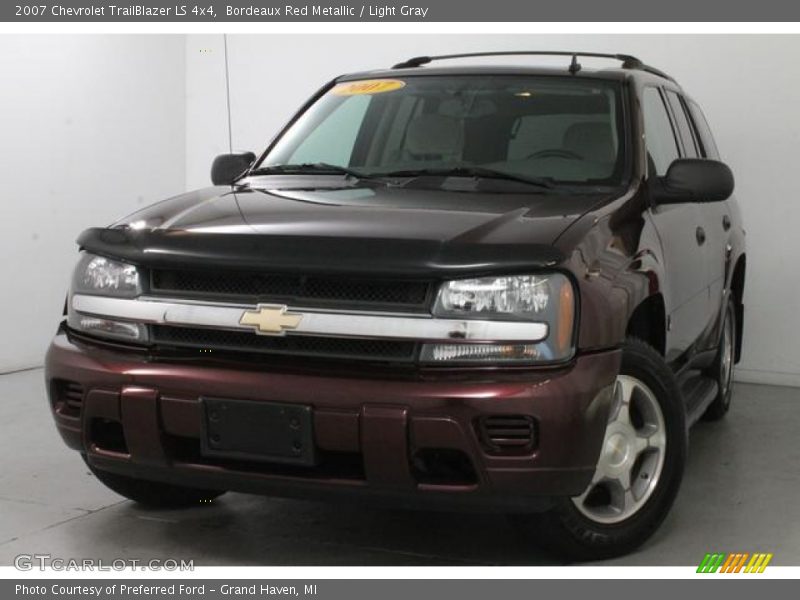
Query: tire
[[153, 494], [722, 368], [599, 524]]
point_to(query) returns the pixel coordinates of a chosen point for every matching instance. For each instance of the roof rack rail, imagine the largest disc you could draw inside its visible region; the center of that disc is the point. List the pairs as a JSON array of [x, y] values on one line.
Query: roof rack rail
[[628, 61]]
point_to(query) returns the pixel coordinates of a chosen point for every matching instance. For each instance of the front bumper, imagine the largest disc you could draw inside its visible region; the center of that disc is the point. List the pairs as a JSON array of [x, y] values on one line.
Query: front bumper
[[369, 429]]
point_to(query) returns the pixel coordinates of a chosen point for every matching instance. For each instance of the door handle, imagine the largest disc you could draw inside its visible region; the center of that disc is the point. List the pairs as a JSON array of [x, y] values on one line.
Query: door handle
[[700, 233], [726, 222]]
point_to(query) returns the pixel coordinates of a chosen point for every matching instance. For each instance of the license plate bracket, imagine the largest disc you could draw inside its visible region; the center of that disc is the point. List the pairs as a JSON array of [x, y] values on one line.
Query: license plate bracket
[[261, 431]]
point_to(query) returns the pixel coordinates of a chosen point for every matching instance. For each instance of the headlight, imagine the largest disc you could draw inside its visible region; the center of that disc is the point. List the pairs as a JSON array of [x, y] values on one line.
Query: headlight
[[547, 298], [526, 297], [100, 276]]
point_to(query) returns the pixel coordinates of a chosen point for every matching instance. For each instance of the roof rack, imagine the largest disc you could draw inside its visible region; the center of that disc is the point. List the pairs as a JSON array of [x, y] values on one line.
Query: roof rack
[[628, 61]]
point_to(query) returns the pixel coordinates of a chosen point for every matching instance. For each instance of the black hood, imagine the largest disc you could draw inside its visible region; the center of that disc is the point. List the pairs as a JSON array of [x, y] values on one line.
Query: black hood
[[346, 229]]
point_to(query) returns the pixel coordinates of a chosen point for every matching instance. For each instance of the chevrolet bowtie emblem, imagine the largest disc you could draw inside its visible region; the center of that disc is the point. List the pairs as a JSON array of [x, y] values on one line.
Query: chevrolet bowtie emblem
[[271, 319]]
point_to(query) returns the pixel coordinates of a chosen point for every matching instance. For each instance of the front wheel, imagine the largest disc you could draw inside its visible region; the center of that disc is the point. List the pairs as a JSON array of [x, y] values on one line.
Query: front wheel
[[638, 472]]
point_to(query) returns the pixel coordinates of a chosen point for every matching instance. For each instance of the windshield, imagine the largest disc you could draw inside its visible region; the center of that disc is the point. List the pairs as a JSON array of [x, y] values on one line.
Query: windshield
[[551, 129]]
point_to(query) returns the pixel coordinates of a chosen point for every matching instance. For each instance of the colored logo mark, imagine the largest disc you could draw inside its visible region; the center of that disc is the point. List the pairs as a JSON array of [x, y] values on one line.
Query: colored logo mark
[[735, 562]]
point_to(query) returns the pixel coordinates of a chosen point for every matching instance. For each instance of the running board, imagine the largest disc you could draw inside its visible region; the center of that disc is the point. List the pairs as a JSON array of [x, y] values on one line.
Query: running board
[[698, 392]]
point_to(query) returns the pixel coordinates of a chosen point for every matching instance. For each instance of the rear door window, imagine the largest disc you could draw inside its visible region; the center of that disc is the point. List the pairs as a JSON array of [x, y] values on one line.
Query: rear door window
[[709, 146], [662, 147], [690, 149]]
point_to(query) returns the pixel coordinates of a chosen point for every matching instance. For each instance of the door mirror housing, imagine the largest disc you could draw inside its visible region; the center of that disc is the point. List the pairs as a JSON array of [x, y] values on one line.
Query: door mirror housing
[[694, 180], [227, 168]]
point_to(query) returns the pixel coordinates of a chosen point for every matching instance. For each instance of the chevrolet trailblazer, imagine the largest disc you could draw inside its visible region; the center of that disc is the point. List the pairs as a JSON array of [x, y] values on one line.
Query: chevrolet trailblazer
[[492, 288]]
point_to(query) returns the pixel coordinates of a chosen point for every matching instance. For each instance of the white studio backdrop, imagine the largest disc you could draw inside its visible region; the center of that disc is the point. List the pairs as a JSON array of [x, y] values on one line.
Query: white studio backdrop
[[93, 127]]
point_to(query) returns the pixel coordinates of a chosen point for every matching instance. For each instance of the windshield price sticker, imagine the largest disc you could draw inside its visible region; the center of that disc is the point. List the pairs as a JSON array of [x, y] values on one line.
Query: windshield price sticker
[[369, 86]]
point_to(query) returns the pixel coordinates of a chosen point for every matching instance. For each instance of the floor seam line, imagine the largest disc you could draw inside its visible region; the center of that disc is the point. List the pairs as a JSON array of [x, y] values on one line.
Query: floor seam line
[[59, 523]]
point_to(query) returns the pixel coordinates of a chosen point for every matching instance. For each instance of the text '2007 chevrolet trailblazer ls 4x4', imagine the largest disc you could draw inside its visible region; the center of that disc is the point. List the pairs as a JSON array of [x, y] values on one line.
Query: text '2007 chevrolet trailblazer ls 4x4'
[[488, 288]]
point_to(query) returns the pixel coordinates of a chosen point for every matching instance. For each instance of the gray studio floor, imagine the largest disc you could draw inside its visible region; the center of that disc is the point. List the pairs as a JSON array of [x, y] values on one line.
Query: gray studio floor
[[741, 493]]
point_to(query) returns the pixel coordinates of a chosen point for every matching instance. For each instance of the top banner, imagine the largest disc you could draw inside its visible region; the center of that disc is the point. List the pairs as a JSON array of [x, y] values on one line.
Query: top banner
[[402, 11]]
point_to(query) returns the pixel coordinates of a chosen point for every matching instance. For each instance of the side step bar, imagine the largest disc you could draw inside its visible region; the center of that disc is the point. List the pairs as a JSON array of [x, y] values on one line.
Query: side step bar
[[698, 392]]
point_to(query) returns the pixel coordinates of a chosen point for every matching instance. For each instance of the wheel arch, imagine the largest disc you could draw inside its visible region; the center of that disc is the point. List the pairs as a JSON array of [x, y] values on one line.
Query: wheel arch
[[648, 322]]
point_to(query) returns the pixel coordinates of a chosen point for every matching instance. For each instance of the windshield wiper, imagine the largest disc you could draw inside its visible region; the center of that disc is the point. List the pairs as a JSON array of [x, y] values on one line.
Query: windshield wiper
[[473, 171], [319, 168]]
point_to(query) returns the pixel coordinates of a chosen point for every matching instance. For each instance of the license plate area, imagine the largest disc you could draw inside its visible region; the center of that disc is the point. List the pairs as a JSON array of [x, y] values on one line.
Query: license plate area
[[262, 431]]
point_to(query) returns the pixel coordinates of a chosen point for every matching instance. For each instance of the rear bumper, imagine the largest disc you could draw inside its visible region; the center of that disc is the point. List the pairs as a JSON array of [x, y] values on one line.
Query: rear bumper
[[370, 430]]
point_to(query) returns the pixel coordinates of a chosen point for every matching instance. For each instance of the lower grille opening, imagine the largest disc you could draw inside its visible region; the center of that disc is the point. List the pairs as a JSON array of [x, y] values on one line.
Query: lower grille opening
[[108, 435], [330, 465], [209, 340], [67, 397], [443, 466], [507, 434]]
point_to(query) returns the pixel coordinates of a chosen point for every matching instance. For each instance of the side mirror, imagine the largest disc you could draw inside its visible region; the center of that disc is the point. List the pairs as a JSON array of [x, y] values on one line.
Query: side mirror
[[695, 180], [226, 168]]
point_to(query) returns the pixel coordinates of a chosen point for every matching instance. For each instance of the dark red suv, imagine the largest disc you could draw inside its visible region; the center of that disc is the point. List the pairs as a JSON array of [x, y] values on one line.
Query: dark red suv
[[474, 287]]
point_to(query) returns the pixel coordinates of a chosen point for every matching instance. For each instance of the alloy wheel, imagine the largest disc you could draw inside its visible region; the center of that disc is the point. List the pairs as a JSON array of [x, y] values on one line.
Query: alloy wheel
[[726, 362], [632, 455]]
